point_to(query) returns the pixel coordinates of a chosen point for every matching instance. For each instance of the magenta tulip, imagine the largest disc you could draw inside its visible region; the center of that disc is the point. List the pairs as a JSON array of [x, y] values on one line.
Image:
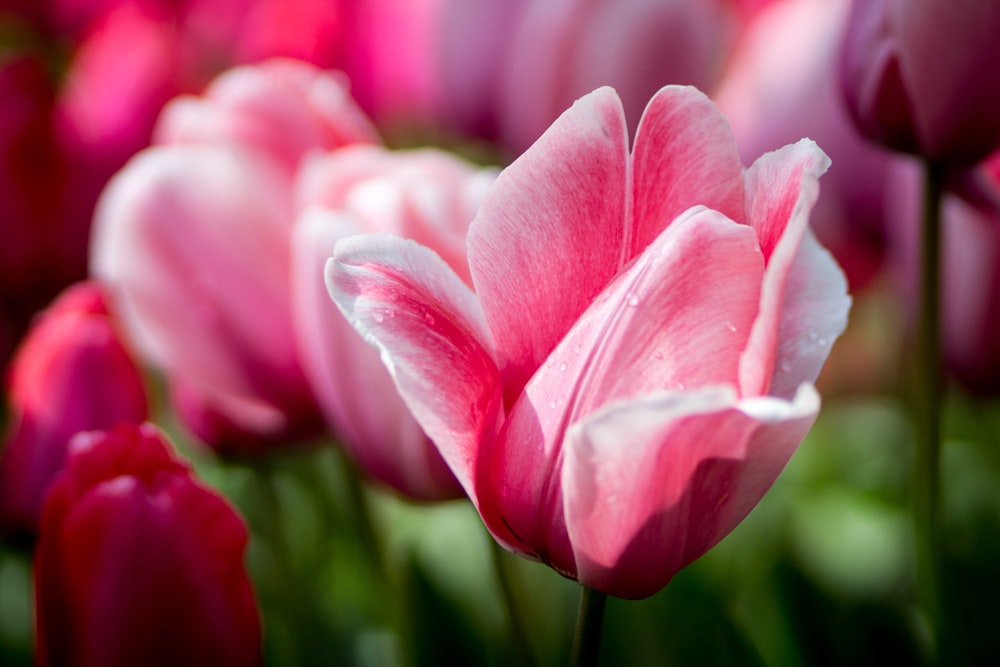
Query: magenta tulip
[[634, 367], [425, 195], [921, 76], [72, 373], [505, 71], [138, 563]]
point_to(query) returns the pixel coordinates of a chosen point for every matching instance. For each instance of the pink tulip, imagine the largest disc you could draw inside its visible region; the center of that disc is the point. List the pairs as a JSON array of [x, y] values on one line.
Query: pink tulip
[[783, 83], [195, 239], [140, 564], [72, 373], [921, 76], [634, 367], [425, 195], [282, 107], [194, 242]]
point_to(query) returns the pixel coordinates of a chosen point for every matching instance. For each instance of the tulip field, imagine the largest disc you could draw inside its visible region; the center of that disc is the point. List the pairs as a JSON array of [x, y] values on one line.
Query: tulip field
[[458, 332]]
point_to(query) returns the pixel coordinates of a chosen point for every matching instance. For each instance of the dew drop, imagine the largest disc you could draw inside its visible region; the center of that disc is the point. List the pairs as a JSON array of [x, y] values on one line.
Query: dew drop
[[731, 326], [429, 318], [822, 341], [563, 366], [378, 317], [632, 300], [658, 356]]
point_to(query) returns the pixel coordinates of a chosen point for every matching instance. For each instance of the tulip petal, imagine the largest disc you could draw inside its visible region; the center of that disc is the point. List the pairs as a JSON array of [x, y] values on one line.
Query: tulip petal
[[652, 484], [373, 424], [194, 241], [548, 237], [684, 156], [677, 319], [432, 335], [781, 189], [813, 314]]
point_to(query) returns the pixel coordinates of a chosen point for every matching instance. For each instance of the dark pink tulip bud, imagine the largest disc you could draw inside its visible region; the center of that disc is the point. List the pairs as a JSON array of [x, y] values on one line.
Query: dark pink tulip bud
[[71, 374], [140, 564], [923, 76]]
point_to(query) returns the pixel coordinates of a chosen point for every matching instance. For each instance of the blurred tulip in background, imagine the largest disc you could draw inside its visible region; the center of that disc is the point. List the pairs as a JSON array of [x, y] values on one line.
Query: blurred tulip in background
[[139, 563], [194, 240], [921, 76], [72, 373], [427, 195]]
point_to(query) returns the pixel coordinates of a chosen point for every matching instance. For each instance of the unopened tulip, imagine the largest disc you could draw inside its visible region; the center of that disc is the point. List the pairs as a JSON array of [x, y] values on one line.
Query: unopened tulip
[[425, 195], [72, 373], [138, 563], [922, 76], [634, 367]]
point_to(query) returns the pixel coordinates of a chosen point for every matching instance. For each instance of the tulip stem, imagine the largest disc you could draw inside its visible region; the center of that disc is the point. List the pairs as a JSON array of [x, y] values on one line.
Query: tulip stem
[[928, 407], [519, 634], [587, 641]]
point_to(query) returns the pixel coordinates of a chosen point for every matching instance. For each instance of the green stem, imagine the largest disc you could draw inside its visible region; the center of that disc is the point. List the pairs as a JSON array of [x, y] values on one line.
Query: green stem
[[519, 634], [928, 408], [587, 642]]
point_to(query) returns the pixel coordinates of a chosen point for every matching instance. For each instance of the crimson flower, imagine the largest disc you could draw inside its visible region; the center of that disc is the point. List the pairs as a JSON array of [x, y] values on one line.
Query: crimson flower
[[140, 564]]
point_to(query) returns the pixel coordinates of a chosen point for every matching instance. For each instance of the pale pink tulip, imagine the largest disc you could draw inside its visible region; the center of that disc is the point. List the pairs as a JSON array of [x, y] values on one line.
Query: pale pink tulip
[[425, 195], [634, 367], [282, 107], [194, 242], [195, 237]]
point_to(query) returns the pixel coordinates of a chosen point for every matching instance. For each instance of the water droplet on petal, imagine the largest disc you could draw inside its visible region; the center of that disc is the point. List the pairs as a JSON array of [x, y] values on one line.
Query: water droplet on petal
[[731, 326], [632, 299], [378, 317], [563, 366]]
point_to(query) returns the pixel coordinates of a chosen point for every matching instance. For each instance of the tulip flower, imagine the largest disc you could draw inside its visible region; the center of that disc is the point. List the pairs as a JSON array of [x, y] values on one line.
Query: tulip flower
[[633, 368], [282, 107], [921, 76], [194, 237], [72, 373], [138, 563], [426, 195]]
